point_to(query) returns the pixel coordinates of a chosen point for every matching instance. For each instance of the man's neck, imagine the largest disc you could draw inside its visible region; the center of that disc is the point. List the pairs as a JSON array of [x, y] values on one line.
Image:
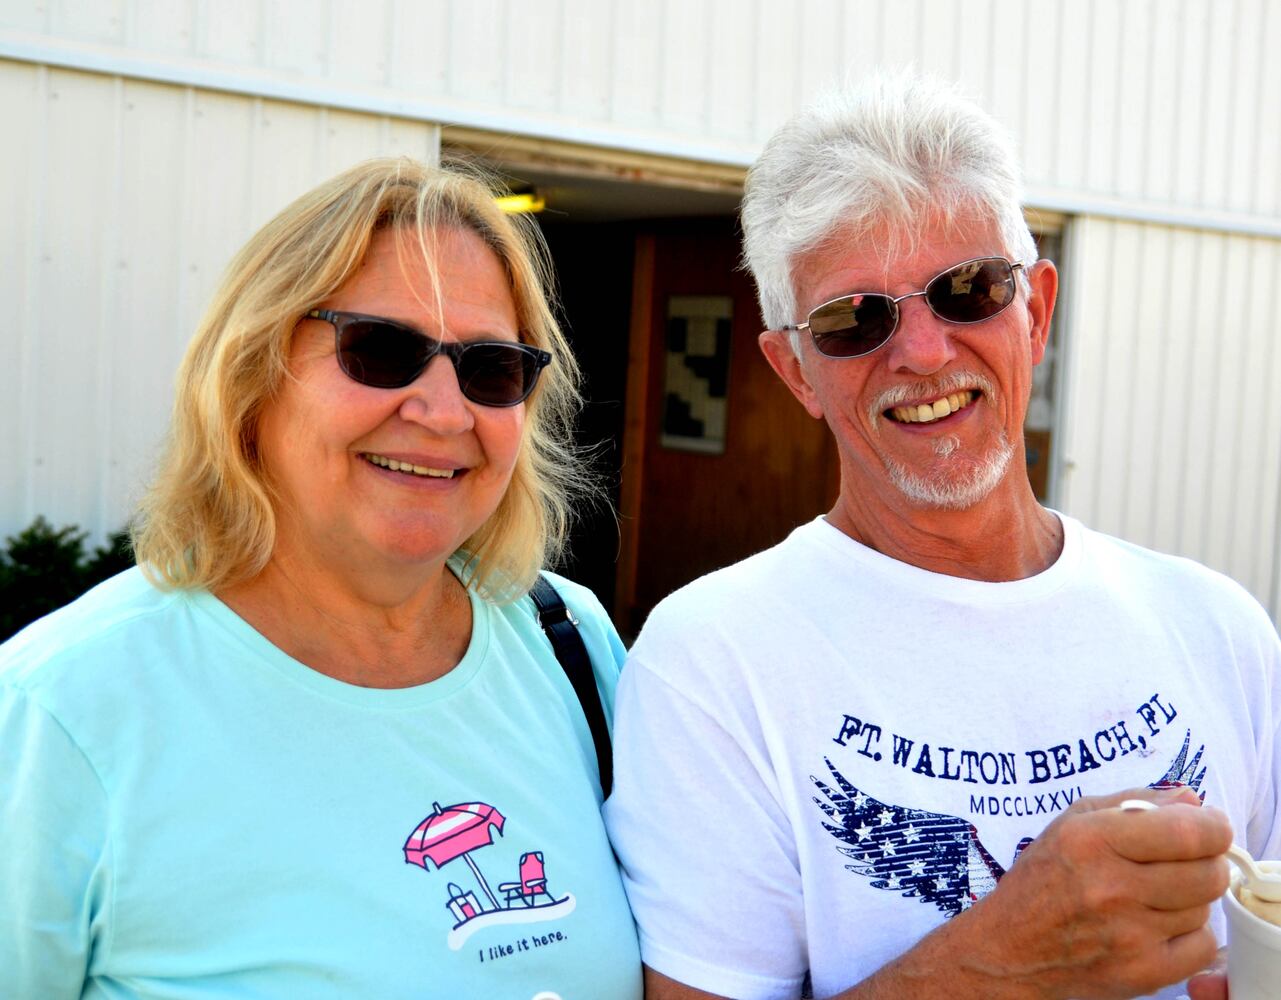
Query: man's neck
[[1001, 538]]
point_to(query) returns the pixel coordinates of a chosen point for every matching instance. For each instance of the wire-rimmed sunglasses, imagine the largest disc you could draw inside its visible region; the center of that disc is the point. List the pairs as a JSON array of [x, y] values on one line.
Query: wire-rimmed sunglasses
[[389, 355], [857, 324]]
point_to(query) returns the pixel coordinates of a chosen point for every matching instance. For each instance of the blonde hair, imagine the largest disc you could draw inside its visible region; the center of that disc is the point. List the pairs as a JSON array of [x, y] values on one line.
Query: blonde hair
[[208, 519]]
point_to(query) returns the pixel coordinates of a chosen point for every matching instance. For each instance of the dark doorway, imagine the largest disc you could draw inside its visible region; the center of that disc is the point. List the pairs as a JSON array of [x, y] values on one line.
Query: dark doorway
[[685, 507], [594, 273], [629, 247], [706, 481]]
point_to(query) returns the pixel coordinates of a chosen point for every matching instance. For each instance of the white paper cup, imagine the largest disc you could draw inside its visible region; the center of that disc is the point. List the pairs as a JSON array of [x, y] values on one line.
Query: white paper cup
[[1254, 947]]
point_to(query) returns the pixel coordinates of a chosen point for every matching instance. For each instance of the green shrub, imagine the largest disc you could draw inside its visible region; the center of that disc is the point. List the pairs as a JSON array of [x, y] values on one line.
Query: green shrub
[[43, 568]]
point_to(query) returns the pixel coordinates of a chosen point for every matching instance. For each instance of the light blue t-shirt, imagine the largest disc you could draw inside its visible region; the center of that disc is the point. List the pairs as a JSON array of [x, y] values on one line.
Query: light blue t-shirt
[[187, 812]]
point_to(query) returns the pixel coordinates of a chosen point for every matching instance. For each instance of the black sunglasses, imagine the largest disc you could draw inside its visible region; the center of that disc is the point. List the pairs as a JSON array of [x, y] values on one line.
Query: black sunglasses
[[388, 355], [858, 324]]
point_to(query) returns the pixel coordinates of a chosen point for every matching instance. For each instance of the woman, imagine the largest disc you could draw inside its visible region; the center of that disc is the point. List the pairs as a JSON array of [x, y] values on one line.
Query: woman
[[317, 746]]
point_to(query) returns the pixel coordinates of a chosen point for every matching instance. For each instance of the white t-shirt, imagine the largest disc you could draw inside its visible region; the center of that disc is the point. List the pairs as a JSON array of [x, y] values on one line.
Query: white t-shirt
[[822, 753]]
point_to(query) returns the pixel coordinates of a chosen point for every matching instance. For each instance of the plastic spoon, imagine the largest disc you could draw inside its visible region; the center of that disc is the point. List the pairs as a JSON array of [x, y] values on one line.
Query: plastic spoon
[[1265, 885]]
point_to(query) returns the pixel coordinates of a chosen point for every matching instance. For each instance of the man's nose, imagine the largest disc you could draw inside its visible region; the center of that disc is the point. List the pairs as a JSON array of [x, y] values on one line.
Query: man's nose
[[922, 344], [436, 401]]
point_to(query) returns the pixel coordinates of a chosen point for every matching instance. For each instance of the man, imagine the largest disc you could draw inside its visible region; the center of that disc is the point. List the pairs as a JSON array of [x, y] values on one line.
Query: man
[[886, 757]]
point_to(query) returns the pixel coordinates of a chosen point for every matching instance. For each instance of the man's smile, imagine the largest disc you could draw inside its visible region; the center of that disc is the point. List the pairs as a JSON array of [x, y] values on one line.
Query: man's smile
[[932, 410], [926, 401]]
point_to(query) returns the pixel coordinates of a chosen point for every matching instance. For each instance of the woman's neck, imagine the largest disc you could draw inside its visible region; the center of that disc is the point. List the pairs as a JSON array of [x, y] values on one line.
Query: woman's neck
[[357, 633]]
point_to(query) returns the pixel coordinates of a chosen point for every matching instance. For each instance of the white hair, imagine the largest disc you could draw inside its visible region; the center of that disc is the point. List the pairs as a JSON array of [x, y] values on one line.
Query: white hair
[[881, 159]]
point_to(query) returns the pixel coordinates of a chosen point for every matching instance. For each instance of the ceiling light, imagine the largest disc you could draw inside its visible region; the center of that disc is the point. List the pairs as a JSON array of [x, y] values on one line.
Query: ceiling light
[[519, 203]]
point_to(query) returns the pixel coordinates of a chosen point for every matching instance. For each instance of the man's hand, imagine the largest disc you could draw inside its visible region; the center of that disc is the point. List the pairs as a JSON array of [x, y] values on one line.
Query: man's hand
[[1212, 984], [1107, 903], [1103, 905]]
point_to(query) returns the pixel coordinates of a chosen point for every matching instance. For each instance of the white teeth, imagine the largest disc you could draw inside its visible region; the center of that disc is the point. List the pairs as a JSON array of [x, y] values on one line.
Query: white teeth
[[417, 470], [925, 413]]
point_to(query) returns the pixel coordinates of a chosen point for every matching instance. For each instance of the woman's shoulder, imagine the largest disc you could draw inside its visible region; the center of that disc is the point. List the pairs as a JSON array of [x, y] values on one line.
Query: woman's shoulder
[[584, 606], [85, 629], [579, 599], [593, 622]]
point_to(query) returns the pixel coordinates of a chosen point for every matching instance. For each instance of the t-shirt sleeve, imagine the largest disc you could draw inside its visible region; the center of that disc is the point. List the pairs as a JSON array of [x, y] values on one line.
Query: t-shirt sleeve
[[52, 854], [708, 854]]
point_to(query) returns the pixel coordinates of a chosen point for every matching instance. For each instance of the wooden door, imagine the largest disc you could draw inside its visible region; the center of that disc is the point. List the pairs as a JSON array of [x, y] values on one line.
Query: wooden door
[[689, 506]]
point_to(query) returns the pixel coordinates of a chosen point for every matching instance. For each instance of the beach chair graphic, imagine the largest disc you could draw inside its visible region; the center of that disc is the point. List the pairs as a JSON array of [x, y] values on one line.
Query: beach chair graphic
[[532, 884]]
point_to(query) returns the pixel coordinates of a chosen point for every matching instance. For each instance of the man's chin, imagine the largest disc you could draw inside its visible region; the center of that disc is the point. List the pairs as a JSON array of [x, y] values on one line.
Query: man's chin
[[954, 484]]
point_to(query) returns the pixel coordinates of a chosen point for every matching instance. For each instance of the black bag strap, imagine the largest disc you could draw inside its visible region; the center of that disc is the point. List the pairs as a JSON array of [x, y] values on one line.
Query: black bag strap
[[562, 629]]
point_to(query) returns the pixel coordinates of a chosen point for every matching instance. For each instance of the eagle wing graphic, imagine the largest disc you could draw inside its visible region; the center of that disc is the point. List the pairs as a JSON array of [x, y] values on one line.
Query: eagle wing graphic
[[934, 857], [1183, 771]]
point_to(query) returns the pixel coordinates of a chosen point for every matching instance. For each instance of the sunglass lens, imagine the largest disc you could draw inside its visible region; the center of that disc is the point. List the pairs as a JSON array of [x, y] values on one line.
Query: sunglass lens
[[497, 374], [973, 291], [380, 354], [853, 326]]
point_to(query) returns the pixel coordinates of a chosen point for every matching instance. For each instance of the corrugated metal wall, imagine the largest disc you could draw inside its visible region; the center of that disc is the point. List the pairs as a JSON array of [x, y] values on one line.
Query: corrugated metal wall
[[1152, 103], [1172, 428], [1157, 122], [123, 200]]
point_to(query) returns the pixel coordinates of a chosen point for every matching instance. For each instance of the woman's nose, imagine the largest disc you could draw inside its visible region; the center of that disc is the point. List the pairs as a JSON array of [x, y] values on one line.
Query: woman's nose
[[436, 401]]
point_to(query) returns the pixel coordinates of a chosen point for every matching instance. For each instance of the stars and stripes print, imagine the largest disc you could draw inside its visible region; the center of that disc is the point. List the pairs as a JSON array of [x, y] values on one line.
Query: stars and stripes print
[[933, 857]]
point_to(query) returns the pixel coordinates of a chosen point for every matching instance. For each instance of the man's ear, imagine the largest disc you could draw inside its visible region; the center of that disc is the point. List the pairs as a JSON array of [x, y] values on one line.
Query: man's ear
[[1044, 279], [776, 345]]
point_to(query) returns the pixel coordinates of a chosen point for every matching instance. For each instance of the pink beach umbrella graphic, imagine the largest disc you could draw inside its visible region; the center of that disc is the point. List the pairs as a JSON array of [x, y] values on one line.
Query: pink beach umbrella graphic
[[450, 833]]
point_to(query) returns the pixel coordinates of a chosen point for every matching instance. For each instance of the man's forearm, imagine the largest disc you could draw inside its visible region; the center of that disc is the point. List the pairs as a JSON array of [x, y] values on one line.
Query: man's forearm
[[958, 960]]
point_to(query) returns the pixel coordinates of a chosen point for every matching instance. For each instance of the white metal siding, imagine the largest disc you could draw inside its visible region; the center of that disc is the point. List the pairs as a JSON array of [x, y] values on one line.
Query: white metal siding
[[1172, 425], [123, 202], [1151, 105], [124, 198]]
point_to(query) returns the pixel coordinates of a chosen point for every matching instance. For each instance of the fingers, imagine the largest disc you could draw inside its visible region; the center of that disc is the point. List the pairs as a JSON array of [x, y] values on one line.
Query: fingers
[[1193, 952], [1180, 958], [1177, 885], [1157, 796], [1173, 925], [1211, 983], [1208, 986], [1175, 832], [1115, 899]]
